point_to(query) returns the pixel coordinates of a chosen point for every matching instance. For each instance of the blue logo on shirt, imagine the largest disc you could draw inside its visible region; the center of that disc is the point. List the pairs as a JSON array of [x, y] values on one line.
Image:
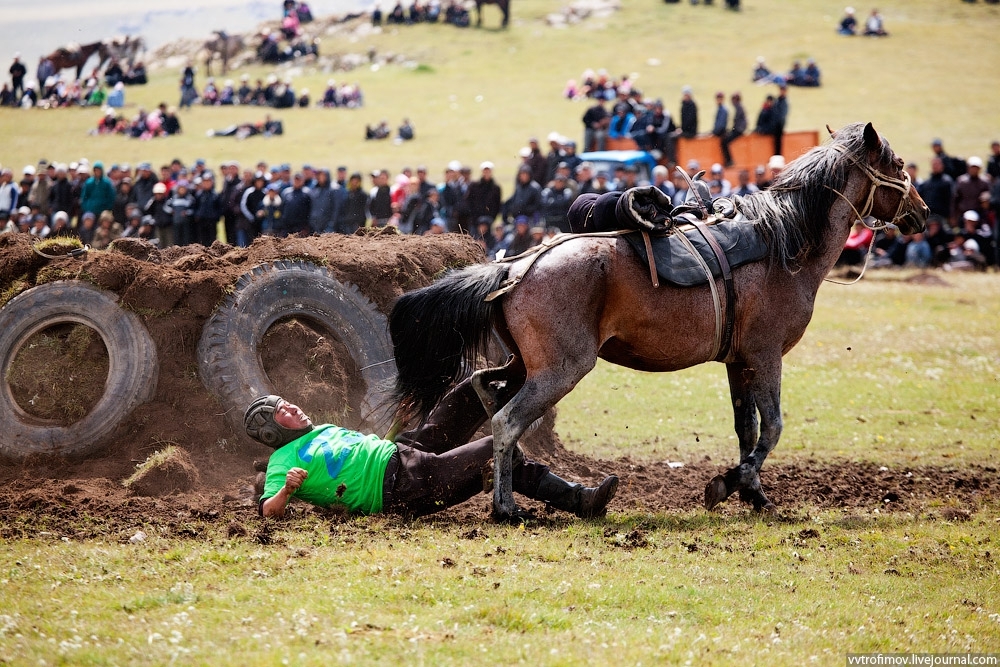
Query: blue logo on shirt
[[334, 460]]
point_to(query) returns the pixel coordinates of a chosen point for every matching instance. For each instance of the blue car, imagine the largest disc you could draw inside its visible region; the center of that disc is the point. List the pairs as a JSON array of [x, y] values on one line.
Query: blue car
[[611, 160]]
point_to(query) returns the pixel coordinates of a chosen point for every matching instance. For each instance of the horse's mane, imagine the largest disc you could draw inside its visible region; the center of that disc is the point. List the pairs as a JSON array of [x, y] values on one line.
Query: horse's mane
[[793, 214]]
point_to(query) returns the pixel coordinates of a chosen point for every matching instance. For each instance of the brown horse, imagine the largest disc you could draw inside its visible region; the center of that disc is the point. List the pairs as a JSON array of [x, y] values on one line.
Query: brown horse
[[504, 6], [225, 46], [76, 55], [590, 297]]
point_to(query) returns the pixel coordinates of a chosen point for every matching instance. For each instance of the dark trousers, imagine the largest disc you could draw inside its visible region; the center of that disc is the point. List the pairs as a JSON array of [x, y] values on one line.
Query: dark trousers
[[725, 140], [436, 466]]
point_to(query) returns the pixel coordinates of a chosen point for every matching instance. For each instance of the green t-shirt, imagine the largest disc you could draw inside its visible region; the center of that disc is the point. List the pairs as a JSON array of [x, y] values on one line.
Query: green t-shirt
[[345, 468]]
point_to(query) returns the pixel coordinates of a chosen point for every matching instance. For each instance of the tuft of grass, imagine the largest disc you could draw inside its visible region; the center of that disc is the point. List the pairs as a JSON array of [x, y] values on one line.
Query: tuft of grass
[[154, 460]]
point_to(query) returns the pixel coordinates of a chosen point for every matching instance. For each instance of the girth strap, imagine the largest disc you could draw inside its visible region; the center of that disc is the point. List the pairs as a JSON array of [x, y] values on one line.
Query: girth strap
[[727, 277]]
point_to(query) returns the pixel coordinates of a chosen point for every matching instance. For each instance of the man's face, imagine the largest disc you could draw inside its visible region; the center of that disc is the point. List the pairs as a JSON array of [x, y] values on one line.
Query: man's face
[[290, 416]]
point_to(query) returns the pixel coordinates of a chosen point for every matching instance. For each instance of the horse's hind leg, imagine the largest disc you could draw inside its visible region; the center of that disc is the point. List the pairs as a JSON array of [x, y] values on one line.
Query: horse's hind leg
[[751, 390]]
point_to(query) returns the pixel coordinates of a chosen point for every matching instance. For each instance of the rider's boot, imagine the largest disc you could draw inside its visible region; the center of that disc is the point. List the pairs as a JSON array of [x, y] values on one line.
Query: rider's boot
[[585, 502]]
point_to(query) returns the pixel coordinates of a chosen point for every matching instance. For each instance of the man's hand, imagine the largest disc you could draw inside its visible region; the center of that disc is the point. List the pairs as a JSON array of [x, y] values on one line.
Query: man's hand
[[294, 479]]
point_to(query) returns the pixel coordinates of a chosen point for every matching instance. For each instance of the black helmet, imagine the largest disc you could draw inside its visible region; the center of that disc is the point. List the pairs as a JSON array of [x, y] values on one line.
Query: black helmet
[[260, 425]]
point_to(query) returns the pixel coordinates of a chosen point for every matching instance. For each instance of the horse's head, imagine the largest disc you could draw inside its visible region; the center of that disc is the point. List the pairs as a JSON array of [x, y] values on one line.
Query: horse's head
[[889, 196]]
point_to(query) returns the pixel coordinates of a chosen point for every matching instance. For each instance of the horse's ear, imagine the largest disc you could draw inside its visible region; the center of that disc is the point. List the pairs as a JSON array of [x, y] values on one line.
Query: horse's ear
[[873, 142], [829, 131]]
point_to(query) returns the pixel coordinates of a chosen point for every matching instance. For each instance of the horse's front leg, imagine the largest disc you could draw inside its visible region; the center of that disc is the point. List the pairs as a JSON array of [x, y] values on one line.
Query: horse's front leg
[[753, 390]]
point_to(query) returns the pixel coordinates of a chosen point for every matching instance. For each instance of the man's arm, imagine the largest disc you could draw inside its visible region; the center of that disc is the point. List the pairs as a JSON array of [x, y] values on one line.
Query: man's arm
[[275, 505]]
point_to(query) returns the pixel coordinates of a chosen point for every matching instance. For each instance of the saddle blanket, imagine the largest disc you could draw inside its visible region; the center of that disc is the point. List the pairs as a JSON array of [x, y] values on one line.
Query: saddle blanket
[[675, 264]]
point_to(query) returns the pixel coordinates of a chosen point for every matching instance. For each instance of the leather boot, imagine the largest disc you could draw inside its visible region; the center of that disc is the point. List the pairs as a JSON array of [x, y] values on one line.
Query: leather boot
[[585, 502]]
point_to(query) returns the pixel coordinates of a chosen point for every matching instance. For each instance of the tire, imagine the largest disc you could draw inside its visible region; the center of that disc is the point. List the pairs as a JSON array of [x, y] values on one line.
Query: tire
[[229, 355], [133, 367]]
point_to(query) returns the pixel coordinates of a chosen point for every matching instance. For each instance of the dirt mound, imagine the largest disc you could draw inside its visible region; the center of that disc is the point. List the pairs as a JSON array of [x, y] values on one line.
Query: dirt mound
[[173, 292]]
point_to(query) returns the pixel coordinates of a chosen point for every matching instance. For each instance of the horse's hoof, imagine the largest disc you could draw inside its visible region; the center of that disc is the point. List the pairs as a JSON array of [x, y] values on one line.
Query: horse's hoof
[[767, 509], [715, 492], [515, 518]]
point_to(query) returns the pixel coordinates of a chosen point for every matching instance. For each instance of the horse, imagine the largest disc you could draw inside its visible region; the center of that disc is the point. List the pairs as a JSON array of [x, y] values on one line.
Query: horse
[[224, 45], [76, 55], [591, 297], [504, 6], [125, 48]]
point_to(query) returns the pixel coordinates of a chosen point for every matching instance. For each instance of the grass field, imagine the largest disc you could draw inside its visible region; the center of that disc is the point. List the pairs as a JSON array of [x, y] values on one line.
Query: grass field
[[892, 372]]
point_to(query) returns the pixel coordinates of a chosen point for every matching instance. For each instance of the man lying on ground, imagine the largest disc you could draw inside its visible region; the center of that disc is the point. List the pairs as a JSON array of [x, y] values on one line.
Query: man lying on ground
[[427, 471]]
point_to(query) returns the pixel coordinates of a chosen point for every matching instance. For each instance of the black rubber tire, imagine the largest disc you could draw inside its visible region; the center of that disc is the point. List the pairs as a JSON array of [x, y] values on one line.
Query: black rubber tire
[[229, 360], [133, 367]]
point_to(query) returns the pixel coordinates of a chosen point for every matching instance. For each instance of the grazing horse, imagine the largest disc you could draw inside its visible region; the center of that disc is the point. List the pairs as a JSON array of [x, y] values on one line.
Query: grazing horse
[[504, 6], [591, 297], [76, 55], [224, 45]]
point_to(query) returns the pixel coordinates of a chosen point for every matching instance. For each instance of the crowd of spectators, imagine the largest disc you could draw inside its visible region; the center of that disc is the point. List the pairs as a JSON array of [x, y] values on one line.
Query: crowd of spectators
[[454, 14], [179, 204]]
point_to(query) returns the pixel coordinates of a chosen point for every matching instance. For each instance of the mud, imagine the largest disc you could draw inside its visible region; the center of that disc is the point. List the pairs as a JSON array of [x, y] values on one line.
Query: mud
[[175, 290]]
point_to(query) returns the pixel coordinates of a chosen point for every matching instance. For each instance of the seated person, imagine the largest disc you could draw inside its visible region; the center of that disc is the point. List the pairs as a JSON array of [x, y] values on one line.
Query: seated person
[[380, 131], [796, 75], [397, 15], [811, 74], [874, 26], [427, 471], [406, 132], [761, 73], [113, 74], [211, 94], [136, 75], [622, 121], [848, 24]]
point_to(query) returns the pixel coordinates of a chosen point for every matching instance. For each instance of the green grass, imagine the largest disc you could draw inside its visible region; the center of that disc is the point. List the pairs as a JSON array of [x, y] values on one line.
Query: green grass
[[692, 588], [479, 94], [918, 385], [887, 371]]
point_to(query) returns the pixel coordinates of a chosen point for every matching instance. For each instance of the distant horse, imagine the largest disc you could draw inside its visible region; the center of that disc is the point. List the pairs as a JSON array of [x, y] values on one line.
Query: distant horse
[[125, 48], [591, 297], [76, 55], [504, 6], [225, 46]]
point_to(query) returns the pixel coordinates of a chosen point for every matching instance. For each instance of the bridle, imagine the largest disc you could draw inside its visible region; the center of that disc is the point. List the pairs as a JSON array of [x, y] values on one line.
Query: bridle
[[876, 180]]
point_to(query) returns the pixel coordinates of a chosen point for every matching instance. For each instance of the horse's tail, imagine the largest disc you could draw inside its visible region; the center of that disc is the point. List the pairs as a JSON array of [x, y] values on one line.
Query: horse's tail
[[438, 332]]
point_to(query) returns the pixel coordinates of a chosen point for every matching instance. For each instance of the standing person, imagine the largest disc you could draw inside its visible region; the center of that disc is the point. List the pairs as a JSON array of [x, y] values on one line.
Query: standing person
[[207, 210], [454, 198], [689, 113], [142, 188], [248, 226], [98, 193], [298, 206], [595, 127], [780, 117], [380, 199], [324, 209], [61, 191], [555, 154], [993, 165], [9, 192], [537, 161], [938, 190], [17, 73], [426, 471], [181, 209], [353, 214], [968, 187], [188, 91], [721, 123], [163, 221], [765, 119], [230, 197], [526, 199], [484, 195], [38, 194], [738, 130], [270, 213]]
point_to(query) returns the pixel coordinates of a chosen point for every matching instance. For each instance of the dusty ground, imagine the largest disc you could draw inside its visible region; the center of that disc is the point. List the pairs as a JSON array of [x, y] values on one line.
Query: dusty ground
[[176, 290]]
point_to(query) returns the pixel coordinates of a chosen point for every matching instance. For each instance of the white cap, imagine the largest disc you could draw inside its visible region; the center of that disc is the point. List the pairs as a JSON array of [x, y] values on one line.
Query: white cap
[[971, 215], [776, 162], [60, 215], [525, 152], [24, 210], [29, 170], [454, 165], [693, 164], [486, 165], [975, 161], [159, 187], [555, 136], [716, 168]]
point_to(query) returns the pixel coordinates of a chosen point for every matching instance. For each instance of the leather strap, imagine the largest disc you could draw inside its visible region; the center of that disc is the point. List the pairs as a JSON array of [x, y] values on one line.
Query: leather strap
[[652, 260], [727, 277]]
